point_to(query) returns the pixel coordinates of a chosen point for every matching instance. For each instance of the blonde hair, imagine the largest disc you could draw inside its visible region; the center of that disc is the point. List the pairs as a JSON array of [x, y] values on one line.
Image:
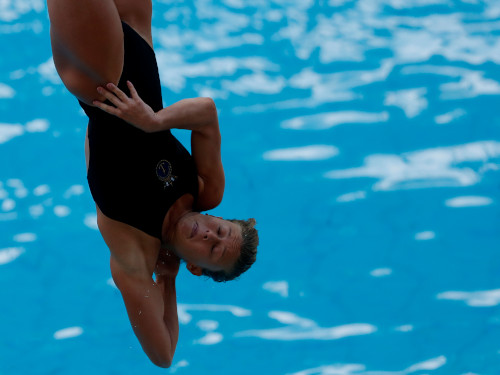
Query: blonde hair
[[248, 252]]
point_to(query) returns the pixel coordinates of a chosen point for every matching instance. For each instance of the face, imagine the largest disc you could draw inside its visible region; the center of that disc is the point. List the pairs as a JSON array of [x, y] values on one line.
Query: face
[[206, 241]]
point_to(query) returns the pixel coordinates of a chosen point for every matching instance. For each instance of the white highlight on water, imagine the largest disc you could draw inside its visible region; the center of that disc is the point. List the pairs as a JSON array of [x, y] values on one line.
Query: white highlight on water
[[343, 36], [37, 126], [328, 120], [218, 33], [41, 190], [431, 364], [67, 333], [336, 369], [287, 317], [12, 10], [9, 131], [185, 317], [424, 236], [178, 365], [15, 183], [6, 92], [10, 254], [489, 167], [90, 221], [62, 211], [21, 192], [36, 210], [278, 287], [380, 272], [210, 338], [405, 328], [411, 101], [74, 190], [470, 85], [25, 237], [469, 201], [111, 283], [208, 325], [299, 328], [17, 74], [48, 91], [435, 167], [8, 204], [359, 369], [174, 71], [325, 88], [448, 117], [257, 83], [306, 153], [350, 197], [3, 192], [482, 298], [48, 72]]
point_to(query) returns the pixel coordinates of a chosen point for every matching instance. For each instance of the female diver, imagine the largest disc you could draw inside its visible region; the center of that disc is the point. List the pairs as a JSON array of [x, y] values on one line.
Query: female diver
[[148, 189]]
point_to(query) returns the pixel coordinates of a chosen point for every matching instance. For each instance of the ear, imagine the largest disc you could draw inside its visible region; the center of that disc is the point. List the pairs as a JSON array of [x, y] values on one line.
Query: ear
[[195, 270]]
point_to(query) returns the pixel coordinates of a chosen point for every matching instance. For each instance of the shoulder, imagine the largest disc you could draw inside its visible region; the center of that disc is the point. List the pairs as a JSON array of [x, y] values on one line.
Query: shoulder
[[132, 251], [209, 194]]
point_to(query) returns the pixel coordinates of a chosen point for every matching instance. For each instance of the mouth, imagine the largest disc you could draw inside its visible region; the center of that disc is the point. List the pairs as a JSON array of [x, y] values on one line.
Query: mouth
[[194, 230]]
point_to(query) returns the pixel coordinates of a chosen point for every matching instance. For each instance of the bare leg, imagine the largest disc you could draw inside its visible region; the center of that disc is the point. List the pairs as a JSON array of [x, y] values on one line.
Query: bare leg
[[87, 44]]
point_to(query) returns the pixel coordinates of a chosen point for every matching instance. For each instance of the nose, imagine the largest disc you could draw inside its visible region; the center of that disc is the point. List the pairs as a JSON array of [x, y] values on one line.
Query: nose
[[208, 234]]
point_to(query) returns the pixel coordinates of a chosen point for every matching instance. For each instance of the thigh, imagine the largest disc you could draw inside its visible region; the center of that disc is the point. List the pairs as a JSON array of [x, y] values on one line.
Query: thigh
[[87, 44]]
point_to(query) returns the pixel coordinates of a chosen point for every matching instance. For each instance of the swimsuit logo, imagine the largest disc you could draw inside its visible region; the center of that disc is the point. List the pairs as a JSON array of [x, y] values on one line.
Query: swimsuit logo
[[164, 173]]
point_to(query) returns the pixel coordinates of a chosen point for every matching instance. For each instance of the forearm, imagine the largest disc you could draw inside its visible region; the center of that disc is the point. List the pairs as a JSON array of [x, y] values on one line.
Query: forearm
[[167, 288], [145, 304], [195, 114]]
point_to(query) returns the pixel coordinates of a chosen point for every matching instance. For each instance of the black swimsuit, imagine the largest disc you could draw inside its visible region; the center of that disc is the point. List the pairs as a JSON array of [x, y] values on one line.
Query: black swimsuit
[[135, 177]]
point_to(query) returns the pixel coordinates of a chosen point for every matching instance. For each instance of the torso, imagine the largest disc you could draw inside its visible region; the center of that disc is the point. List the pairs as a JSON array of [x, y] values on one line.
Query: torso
[[80, 69], [129, 246]]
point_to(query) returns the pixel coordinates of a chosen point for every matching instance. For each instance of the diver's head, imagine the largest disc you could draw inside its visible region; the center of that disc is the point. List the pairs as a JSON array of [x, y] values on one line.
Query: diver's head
[[214, 247]]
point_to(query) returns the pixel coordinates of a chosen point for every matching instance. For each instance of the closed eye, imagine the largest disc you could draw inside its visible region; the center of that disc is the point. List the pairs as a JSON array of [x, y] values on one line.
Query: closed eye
[[218, 231]]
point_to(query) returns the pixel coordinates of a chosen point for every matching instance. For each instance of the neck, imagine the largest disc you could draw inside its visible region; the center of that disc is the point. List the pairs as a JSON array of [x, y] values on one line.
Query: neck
[[181, 207]]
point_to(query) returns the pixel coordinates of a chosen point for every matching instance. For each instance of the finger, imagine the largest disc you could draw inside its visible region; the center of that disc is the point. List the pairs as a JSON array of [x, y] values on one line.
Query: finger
[[110, 96], [115, 90], [133, 91], [106, 108]]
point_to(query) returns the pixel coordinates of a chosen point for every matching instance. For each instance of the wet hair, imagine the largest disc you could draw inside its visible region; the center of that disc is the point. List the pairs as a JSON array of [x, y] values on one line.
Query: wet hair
[[248, 253]]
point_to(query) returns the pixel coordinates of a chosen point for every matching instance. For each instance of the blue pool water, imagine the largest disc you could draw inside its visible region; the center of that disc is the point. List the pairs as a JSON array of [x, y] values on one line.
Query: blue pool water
[[363, 135]]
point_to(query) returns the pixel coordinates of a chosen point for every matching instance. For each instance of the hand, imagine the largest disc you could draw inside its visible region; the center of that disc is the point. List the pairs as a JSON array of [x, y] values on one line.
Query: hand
[[167, 264], [132, 110]]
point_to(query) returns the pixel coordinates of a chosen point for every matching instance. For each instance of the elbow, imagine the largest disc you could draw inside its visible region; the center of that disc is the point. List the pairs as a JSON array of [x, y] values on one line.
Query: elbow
[[162, 361], [163, 364], [210, 109], [162, 358]]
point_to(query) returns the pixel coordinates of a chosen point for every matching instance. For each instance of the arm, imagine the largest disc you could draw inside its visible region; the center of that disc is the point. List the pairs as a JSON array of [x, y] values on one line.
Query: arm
[[197, 114], [152, 310]]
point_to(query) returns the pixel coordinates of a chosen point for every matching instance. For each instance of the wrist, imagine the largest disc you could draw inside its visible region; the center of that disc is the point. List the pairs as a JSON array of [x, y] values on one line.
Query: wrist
[[156, 123], [165, 278], [165, 282]]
